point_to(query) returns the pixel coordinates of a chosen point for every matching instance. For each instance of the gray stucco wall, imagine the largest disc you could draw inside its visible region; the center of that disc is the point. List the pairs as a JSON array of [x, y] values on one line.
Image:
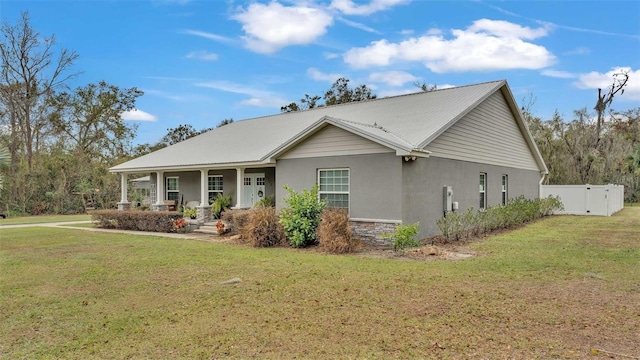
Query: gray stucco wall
[[375, 182], [188, 185], [424, 179]]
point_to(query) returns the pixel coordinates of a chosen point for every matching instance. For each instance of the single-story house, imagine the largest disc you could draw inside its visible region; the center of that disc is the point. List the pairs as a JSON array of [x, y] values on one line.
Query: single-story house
[[399, 159]]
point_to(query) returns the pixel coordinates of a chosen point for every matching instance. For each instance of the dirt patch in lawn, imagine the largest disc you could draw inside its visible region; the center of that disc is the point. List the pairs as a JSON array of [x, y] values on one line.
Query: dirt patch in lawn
[[437, 249]]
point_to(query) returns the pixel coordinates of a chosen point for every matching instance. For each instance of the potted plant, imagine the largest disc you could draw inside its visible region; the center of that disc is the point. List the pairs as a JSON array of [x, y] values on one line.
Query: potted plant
[[190, 212]]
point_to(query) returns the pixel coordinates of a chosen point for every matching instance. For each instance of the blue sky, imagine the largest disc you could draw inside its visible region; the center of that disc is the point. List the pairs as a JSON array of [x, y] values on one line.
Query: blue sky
[[199, 62]]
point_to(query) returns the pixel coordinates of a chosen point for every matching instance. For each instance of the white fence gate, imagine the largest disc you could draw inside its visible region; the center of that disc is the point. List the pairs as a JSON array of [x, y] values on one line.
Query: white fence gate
[[603, 200]]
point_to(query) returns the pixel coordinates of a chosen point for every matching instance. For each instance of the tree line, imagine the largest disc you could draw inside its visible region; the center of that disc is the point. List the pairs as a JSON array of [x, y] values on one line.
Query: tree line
[[57, 143]]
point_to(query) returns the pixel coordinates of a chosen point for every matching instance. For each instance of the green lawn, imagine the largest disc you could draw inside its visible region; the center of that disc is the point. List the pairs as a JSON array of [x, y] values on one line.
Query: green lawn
[[564, 287], [43, 219]]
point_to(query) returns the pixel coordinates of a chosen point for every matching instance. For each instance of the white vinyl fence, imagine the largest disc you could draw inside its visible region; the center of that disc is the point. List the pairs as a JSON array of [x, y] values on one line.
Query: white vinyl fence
[[603, 200]]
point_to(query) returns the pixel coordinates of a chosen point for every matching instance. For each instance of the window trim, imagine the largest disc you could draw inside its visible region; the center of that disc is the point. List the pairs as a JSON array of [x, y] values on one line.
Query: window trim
[[482, 191], [348, 192], [505, 189], [209, 191], [176, 191]]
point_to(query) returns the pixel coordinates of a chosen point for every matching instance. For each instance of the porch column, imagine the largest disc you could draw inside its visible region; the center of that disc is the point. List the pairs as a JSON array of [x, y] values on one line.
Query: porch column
[[160, 187], [124, 204], [204, 186], [239, 183], [123, 188], [204, 210], [159, 205]]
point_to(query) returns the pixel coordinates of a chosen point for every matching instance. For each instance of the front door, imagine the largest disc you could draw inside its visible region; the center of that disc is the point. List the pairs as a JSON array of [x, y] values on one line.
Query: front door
[[253, 189]]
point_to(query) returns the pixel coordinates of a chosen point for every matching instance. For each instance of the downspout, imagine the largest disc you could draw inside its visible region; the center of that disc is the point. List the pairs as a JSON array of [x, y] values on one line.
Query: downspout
[[543, 175]]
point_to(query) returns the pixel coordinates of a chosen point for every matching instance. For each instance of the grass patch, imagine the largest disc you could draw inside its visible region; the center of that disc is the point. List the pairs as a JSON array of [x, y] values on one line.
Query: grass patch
[[43, 219], [556, 288]]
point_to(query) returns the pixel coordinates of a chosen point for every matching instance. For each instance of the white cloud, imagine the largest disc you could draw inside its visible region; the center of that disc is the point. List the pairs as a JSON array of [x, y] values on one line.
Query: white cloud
[[505, 29], [595, 80], [202, 55], [272, 27], [269, 102], [358, 25], [392, 78], [137, 115], [578, 51], [485, 45], [330, 55], [558, 74], [348, 7], [257, 97], [207, 35], [317, 75], [406, 32]]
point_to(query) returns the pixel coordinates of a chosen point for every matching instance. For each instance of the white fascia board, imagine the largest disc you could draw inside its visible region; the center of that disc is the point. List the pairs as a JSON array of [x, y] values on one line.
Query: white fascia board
[[414, 153], [296, 139], [369, 136], [194, 167]]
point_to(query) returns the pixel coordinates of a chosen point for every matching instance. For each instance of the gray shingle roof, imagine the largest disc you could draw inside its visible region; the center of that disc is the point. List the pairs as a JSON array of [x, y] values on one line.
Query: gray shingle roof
[[405, 123]]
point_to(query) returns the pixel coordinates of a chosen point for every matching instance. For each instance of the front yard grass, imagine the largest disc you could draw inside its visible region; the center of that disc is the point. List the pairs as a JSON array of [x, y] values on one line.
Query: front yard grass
[[565, 287], [43, 219]]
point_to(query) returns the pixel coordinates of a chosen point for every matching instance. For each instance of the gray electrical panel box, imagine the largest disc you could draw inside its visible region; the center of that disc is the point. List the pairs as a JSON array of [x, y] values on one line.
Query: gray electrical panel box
[[447, 198]]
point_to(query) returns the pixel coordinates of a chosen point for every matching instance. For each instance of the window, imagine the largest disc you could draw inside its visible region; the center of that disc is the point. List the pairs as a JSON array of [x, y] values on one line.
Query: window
[[334, 187], [173, 189], [505, 187], [483, 190], [214, 186]]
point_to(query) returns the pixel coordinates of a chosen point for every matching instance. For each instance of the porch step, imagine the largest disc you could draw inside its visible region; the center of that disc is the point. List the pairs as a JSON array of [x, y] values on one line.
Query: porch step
[[207, 229]]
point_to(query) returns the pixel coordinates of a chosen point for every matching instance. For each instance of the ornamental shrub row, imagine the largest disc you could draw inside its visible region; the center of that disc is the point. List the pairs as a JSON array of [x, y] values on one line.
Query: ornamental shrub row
[[156, 221], [458, 225]]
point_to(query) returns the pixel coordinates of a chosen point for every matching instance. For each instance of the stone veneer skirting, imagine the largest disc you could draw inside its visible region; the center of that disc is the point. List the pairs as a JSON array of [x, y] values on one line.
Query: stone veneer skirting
[[372, 230]]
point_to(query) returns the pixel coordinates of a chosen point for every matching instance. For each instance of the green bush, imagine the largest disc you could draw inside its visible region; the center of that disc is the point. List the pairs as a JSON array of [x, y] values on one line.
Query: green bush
[[301, 218], [403, 237], [190, 212], [268, 201], [262, 228], [219, 204], [334, 232], [156, 221], [517, 211]]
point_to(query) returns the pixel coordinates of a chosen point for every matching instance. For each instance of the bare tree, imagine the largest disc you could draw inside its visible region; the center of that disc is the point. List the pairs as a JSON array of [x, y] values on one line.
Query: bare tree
[[424, 86], [30, 73], [604, 100]]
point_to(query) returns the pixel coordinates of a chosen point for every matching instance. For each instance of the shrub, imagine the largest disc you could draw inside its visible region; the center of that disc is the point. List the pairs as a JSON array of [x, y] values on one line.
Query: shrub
[[262, 228], [517, 211], [334, 232], [190, 212], [220, 204], [156, 221], [236, 219], [268, 201], [403, 237], [300, 219]]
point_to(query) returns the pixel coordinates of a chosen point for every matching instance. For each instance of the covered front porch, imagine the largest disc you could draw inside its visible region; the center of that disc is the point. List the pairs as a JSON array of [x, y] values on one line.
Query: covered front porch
[[196, 187]]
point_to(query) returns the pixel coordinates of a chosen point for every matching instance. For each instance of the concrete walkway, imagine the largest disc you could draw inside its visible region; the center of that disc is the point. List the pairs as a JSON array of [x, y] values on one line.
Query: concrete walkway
[[69, 225]]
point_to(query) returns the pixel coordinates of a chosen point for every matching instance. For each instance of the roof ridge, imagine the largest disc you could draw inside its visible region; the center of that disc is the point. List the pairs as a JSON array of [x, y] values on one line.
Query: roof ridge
[[372, 100]]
